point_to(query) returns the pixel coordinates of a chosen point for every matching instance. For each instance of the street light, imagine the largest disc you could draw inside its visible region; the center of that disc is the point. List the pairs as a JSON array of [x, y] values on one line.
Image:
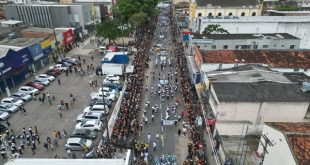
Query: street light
[[4, 80]]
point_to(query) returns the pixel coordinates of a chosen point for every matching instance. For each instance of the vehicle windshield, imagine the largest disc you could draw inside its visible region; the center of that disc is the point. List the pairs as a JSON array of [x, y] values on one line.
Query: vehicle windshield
[[83, 123], [22, 94], [8, 105], [82, 141]]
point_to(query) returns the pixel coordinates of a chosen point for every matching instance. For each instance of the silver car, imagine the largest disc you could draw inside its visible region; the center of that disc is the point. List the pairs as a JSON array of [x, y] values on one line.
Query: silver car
[[77, 144], [22, 96], [8, 107]]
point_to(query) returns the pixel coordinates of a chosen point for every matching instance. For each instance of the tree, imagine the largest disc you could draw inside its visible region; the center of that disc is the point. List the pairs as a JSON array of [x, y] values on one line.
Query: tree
[[108, 29], [214, 29], [138, 19]]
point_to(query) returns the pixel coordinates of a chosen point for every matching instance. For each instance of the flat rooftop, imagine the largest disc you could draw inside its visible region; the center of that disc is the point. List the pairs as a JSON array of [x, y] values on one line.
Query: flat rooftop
[[21, 42], [261, 36], [227, 3], [37, 29], [262, 91], [278, 59]]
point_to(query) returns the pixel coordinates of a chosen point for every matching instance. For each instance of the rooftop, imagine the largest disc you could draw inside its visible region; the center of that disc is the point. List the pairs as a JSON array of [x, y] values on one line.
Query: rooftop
[[265, 36], [262, 91], [38, 29], [251, 19], [21, 42], [227, 3], [298, 136], [11, 22], [278, 59]]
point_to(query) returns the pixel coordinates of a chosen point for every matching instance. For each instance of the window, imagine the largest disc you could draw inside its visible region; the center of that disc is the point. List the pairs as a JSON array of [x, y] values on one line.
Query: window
[[237, 47], [213, 47], [219, 14], [274, 45], [230, 14], [199, 14], [265, 46], [254, 14], [198, 46], [225, 47], [243, 14], [205, 46], [292, 46], [282, 46], [255, 46], [210, 14], [245, 46]]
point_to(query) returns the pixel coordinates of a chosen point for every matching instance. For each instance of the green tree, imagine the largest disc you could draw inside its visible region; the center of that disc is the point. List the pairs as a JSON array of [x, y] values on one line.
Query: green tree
[[214, 28], [108, 29], [138, 19]]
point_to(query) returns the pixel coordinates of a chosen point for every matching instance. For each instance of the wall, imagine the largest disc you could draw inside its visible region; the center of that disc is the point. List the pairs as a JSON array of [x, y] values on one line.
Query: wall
[[11, 12], [60, 15], [226, 11], [297, 26], [280, 151]]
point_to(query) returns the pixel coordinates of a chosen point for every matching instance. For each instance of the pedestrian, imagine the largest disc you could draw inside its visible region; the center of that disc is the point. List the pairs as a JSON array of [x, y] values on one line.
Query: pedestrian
[[92, 58], [8, 123], [179, 132], [58, 81], [36, 130], [34, 97], [154, 146], [152, 117], [184, 131], [52, 147], [67, 106], [73, 155], [69, 153], [24, 110], [34, 144], [141, 126], [84, 61], [148, 138], [45, 146], [37, 138], [60, 114], [50, 101], [32, 149], [145, 120]]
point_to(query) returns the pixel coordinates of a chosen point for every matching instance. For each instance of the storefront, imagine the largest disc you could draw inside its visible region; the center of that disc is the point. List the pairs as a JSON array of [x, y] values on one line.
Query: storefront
[[68, 40], [37, 57], [46, 49], [57, 51]]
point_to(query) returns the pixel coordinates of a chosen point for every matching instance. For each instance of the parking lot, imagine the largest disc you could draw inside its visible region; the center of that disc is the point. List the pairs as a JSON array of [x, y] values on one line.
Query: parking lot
[[46, 117]]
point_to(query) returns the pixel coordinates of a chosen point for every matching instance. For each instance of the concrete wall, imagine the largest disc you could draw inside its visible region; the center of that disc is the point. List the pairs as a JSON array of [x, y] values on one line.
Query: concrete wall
[[11, 12], [273, 44], [226, 11], [298, 26], [280, 152], [60, 15]]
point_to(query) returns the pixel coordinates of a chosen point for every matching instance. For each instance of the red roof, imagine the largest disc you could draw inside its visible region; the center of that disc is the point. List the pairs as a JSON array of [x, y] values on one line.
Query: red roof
[[282, 59]]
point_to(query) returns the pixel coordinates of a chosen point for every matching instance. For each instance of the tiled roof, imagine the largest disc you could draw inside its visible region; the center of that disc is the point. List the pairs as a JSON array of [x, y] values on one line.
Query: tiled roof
[[298, 136], [290, 127], [280, 59]]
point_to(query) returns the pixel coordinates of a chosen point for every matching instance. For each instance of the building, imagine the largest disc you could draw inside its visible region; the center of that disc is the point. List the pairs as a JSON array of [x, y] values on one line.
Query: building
[[295, 25], [288, 13], [282, 61], [223, 8], [251, 95], [274, 41], [51, 15], [36, 32], [285, 143]]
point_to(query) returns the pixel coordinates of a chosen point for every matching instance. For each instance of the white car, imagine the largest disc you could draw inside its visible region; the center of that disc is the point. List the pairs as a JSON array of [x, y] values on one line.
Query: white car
[[43, 81], [111, 81], [4, 115], [77, 144], [94, 125], [13, 100], [7, 107], [86, 116], [97, 108], [108, 90], [46, 76], [28, 90], [98, 95], [22, 96], [61, 67], [112, 77]]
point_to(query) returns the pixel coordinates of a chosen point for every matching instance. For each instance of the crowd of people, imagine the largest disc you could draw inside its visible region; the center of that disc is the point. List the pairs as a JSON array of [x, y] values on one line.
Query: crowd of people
[[127, 124]]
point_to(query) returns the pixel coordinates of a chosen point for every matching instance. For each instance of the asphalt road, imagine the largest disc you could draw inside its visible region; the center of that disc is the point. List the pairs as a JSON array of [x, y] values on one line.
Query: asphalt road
[[47, 118], [169, 142]]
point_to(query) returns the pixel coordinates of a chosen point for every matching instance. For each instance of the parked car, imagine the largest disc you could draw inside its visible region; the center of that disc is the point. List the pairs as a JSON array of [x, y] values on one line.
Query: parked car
[[28, 90], [71, 60], [4, 115], [8, 107], [112, 77], [61, 67], [93, 125], [43, 81], [13, 100], [98, 95], [36, 85], [86, 116], [111, 81], [84, 133], [52, 73], [109, 90], [22, 96], [100, 102], [46, 76], [55, 70], [65, 63], [97, 108], [77, 144], [113, 86]]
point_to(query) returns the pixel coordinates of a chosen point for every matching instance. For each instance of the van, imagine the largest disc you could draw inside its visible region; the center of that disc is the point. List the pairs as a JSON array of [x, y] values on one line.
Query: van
[[102, 49]]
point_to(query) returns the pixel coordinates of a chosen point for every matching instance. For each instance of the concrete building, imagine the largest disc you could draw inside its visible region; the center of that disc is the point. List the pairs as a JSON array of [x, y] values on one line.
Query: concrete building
[[73, 15], [285, 143], [223, 8], [295, 25], [252, 95], [282, 61], [274, 41]]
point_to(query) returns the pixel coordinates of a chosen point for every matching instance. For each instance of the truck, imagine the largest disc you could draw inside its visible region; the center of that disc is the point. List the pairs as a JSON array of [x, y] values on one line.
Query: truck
[[111, 68], [115, 57]]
